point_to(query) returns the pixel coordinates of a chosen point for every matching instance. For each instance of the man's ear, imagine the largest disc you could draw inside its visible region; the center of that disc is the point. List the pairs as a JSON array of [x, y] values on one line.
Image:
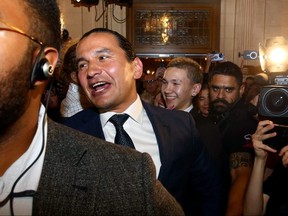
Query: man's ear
[[74, 77], [242, 89], [51, 54], [45, 61], [138, 68], [195, 89]]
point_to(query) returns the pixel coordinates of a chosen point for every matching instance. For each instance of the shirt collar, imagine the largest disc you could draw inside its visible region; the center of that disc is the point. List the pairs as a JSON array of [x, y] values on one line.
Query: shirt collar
[[134, 111], [188, 109]]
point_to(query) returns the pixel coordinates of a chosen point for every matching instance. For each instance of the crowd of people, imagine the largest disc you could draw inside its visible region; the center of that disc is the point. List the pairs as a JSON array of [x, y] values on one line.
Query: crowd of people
[[78, 138]]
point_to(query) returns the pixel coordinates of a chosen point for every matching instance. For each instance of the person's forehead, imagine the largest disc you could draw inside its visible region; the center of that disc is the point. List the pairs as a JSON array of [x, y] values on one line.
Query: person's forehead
[[249, 81], [174, 72], [99, 42], [14, 13], [149, 77], [223, 80], [104, 37], [204, 92]]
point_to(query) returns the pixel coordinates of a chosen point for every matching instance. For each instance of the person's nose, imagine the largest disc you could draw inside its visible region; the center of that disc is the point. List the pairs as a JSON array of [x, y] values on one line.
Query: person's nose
[[167, 88], [221, 93], [93, 70], [206, 101]]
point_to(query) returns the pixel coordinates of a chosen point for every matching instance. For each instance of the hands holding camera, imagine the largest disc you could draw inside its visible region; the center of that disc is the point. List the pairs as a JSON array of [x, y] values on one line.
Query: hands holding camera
[[258, 195], [262, 134]]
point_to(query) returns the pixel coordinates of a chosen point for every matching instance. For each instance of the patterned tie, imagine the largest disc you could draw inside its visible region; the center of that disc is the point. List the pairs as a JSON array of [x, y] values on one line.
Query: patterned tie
[[121, 137]]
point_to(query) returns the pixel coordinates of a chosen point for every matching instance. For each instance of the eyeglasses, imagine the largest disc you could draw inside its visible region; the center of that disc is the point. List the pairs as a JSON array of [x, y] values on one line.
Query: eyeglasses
[[18, 31]]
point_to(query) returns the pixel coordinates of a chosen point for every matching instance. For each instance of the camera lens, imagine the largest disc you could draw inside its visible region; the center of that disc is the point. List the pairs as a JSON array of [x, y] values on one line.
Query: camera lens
[[253, 55], [275, 101]]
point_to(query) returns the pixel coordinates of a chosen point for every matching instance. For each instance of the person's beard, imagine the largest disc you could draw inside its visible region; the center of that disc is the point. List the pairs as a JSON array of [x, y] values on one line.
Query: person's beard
[[218, 109], [14, 97]]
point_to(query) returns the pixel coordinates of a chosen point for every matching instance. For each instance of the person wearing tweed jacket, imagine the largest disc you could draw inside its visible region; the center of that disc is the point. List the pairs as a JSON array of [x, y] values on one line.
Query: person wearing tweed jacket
[[49, 169]]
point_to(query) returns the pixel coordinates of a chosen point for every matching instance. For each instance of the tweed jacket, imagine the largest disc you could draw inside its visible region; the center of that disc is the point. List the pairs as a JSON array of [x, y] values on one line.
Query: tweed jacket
[[187, 170], [83, 175]]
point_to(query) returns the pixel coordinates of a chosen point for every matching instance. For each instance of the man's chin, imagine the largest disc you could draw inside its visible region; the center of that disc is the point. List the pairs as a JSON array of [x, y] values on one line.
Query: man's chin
[[220, 109], [170, 106]]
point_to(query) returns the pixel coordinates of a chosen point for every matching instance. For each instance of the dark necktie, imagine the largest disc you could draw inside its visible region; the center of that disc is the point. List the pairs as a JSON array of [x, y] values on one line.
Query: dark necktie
[[121, 137]]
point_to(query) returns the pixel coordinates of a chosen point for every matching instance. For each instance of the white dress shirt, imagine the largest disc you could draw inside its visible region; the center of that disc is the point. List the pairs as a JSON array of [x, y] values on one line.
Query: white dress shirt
[[139, 128], [30, 180]]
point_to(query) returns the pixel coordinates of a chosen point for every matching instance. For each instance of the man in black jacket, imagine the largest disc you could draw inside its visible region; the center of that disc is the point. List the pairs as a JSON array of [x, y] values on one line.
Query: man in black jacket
[[236, 127]]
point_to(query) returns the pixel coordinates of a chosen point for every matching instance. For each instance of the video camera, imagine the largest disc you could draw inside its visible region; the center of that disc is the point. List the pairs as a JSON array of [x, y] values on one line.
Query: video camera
[[215, 56], [273, 103], [273, 99], [249, 55]]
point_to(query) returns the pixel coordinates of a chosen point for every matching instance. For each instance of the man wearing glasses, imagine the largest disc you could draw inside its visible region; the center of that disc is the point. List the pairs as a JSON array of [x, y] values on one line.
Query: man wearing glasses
[[46, 168]]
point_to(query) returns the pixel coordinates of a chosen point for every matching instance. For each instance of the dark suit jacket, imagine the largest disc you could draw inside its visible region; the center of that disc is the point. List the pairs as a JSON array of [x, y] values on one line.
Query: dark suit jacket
[[186, 171], [83, 175]]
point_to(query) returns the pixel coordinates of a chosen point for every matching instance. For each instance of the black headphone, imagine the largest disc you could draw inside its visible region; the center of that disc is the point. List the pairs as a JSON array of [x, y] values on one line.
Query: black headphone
[[42, 69]]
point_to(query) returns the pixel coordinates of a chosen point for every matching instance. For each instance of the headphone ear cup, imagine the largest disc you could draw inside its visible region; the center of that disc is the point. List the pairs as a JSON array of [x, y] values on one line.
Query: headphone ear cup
[[42, 70]]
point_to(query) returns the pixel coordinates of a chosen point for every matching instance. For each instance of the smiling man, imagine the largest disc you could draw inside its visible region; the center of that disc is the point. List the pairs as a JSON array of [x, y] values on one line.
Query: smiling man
[[108, 70], [181, 83]]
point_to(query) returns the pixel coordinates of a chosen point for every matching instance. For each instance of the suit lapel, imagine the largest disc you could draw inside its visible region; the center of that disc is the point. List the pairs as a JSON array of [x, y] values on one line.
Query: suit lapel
[[163, 133], [98, 128], [91, 121]]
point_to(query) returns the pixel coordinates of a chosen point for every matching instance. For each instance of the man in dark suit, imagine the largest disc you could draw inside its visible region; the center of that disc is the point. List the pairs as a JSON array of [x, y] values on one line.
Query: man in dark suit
[[47, 168], [107, 71]]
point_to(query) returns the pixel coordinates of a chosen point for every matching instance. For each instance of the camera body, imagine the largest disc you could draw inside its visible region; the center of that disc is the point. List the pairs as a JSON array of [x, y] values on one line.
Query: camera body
[[280, 140], [273, 99], [250, 55], [273, 105], [216, 57]]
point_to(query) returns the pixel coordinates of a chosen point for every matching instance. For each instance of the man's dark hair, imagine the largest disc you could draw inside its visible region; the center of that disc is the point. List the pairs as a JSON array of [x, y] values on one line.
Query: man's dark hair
[[45, 25], [229, 69], [123, 42]]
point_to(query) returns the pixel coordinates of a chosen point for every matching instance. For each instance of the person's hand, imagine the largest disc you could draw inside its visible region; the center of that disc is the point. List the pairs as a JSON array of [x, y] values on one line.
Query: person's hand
[[208, 63], [261, 150], [284, 154]]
